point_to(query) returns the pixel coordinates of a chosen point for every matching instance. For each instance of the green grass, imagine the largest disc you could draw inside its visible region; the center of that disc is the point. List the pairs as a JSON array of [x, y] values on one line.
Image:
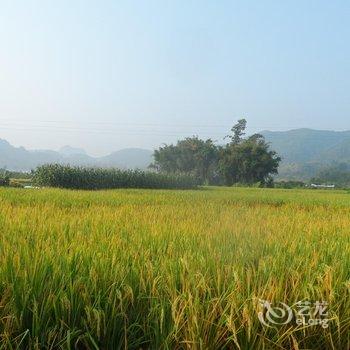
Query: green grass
[[166, 269]]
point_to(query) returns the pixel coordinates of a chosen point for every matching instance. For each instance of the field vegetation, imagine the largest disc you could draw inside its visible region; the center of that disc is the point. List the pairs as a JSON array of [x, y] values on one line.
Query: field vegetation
[[160, 269], [85, 178]]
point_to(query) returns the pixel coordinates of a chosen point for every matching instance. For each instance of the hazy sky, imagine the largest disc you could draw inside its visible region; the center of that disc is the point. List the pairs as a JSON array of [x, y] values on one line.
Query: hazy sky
[[105, 75]]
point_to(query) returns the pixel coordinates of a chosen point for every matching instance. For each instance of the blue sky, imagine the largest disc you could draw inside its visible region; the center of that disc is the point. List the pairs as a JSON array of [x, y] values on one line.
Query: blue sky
[[105, 75]]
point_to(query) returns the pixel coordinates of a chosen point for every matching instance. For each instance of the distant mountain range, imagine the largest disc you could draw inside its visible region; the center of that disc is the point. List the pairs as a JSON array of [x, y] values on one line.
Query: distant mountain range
[[304, 152], [20, 159]]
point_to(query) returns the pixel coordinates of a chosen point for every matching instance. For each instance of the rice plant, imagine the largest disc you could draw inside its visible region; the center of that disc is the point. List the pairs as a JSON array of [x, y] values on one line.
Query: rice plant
[[160, 269]]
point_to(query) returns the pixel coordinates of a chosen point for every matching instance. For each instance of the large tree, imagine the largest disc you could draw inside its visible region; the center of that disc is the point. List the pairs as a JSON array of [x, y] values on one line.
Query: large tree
[[191, 155], [247, 160]]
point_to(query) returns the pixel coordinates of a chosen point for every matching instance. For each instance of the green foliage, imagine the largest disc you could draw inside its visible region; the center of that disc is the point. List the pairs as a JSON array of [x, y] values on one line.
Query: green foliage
[[20, 175], [245, 161], [238, 131], [14, 178], [191, 156], [4, 178], [65, 176], [14, 183], [289, 184]]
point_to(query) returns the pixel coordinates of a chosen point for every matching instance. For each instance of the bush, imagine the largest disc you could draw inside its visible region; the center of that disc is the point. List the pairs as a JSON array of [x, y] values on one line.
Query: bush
[[4, 182], [15, 183], [65, 176], [289, 184], [20, 182], [4, 179]]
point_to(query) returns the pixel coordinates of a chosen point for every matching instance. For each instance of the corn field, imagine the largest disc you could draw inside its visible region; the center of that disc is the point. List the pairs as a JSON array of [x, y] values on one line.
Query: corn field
[[160, 269], [65, 176]]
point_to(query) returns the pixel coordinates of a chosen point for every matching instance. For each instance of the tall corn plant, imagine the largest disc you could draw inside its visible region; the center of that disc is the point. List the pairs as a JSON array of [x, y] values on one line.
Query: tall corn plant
[[65, 176]]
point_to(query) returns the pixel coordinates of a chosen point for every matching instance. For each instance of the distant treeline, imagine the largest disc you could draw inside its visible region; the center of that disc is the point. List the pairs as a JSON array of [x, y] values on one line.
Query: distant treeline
[[242, 160], [14, 178], [189, 163], [65, 176]]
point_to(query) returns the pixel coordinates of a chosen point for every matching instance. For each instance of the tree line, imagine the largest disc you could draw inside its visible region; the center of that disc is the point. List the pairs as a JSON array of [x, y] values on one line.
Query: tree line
[[245, 160]]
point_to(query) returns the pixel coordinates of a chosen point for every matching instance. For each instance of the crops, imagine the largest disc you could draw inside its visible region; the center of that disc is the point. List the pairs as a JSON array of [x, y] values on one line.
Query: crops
[[158, 269], [65, 176]]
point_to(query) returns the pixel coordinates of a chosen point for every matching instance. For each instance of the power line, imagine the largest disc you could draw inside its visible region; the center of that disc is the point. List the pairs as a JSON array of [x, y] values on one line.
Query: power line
[[113, 123], [109, 131], [180, 125]]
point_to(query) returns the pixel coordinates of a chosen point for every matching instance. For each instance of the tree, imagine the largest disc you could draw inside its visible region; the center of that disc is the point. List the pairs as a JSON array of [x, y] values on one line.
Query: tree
[[247, 160], [4, 177], [191, 155], [238, 131]]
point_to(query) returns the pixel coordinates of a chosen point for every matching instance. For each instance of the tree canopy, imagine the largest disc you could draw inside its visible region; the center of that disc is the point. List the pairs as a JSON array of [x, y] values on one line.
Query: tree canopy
[[242, 160], [191, 155]]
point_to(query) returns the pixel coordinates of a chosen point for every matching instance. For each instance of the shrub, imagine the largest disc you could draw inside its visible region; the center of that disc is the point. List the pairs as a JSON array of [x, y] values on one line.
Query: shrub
[[20, 183], [4, 178], [65, 176], [289, 184], [16, 183]]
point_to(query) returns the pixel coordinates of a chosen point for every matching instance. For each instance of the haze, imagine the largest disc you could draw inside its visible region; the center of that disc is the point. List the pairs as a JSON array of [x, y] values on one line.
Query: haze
[[106, 75]]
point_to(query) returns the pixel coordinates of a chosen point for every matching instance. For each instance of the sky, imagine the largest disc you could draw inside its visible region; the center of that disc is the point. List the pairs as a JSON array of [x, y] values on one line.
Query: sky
[[106, 75]]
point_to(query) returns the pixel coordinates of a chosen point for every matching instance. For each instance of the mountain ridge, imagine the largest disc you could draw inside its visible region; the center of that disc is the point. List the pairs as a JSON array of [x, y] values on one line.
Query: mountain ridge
[[304, 152], [20, 159]]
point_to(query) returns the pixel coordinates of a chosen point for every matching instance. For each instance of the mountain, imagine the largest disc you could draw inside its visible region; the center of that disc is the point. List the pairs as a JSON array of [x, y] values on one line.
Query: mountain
[[20, 159], [305, 152], [129, 158], [71, 151]]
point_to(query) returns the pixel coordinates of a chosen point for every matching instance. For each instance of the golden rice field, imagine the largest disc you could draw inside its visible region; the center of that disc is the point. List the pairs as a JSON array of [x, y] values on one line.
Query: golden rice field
[[161, 269]]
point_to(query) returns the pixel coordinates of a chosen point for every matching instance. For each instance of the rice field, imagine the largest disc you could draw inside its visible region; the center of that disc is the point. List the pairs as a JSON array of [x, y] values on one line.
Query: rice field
[[166, 269]]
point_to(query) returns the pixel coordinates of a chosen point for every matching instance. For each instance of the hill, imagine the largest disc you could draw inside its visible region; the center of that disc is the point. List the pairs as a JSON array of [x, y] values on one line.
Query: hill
[[20, 159], [305, 151], [70, 151], [128, 158]]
